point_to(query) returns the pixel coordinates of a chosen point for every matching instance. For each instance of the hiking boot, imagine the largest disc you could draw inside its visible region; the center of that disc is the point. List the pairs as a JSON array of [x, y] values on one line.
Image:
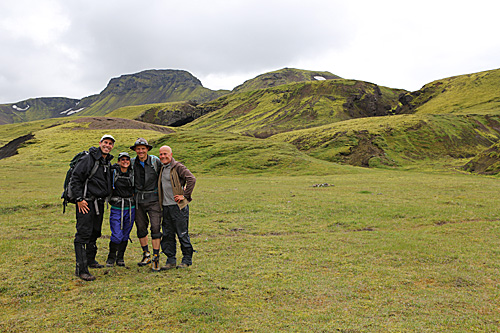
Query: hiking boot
[[121, 251], [86, 276], [81, 268], [95, 264], [146, 259], [183, 265], [110, 262], [168, 266], [156, 263], [91, 253]]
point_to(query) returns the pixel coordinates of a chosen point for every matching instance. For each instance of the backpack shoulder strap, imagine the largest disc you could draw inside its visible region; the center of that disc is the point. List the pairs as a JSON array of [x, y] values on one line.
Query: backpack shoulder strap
[[92, 172], [155, 161]]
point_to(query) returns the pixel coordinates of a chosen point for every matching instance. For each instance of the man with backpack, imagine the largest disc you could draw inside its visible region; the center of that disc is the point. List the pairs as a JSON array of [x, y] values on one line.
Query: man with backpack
[[146, 168], [90, 184]]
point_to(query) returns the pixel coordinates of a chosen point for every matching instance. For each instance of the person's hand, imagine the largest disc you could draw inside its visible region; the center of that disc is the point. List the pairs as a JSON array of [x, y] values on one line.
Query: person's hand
[[83, 207], [178, 197]]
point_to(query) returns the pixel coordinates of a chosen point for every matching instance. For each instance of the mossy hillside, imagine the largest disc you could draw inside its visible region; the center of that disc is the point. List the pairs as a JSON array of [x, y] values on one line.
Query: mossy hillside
[[221, 153], [476, 93], [399, 140], [112, 102], [265, 112], [8, 132], [35, 109], [283, 76]]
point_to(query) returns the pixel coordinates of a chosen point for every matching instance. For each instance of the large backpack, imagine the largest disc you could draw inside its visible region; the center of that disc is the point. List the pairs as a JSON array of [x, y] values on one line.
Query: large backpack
[[68, 194]]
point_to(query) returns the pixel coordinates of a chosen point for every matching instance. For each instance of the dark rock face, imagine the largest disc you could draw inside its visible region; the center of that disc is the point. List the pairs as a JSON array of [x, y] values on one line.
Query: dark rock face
[[175, 116], [367, 104], [151, 79]]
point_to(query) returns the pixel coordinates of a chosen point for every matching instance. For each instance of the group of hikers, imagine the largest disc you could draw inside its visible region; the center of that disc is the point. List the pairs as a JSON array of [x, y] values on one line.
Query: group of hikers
[[151, 191]]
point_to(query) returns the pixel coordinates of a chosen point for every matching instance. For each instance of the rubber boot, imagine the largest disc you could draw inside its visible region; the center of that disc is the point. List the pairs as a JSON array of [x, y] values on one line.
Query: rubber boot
[[113, 248], [121, 252], [82, 270], [91, 253]]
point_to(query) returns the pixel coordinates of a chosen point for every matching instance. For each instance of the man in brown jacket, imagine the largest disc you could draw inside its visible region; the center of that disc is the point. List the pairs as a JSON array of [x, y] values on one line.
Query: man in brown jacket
[[175, 185]]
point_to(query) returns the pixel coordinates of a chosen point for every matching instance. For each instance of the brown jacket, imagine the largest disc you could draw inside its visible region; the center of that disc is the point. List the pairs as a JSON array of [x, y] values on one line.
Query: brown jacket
[[182, 181]]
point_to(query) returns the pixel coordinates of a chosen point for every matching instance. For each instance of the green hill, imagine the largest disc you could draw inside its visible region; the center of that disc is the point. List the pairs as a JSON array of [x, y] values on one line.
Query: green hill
[[36, 108], [477, 93], [265, 112], [399, 140], [283, 76], [147, 87]]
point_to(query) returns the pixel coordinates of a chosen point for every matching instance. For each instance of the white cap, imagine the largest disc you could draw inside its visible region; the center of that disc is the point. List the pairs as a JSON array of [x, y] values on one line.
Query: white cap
[[107, 136]]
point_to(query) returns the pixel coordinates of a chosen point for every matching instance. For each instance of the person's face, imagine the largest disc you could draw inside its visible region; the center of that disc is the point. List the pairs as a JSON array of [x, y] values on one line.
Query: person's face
[[165, 155], [142, 152], [106, 146], [124, 162]]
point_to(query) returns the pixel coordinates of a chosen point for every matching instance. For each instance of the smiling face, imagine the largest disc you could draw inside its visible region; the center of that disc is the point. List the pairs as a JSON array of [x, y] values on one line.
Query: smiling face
[[165, 154], [142, 152], [124, 162], [106, 146]]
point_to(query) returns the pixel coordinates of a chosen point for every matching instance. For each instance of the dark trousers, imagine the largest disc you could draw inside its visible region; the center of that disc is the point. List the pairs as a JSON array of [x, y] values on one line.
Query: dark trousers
[[176, 222], [88, 229], [88, 226]]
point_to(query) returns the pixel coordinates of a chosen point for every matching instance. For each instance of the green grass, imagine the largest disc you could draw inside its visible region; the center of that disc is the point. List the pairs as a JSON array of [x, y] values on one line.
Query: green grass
[[475, 93], [378, 250], [389, 251]]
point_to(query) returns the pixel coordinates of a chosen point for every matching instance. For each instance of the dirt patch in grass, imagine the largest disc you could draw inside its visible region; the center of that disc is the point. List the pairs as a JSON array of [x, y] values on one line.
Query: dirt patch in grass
[[10, 149], [119, 123]]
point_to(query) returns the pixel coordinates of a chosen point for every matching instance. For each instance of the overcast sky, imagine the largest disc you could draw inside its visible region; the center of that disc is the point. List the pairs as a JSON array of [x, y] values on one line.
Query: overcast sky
[[73, 48]]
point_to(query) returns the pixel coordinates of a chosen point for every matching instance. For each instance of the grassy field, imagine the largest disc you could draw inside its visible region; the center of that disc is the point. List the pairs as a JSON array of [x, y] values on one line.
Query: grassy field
[[376, 251]]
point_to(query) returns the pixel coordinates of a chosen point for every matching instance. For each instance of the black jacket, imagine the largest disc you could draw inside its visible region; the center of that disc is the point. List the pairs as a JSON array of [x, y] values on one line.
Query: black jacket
[[99, 186], [123, 185]]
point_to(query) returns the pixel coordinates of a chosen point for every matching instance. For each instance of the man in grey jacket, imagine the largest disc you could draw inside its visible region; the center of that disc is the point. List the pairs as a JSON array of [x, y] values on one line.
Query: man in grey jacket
[[175, 186]]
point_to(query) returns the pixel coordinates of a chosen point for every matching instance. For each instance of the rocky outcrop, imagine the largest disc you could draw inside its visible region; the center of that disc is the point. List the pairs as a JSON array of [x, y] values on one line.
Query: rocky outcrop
[[175, 115], [367, 104]]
